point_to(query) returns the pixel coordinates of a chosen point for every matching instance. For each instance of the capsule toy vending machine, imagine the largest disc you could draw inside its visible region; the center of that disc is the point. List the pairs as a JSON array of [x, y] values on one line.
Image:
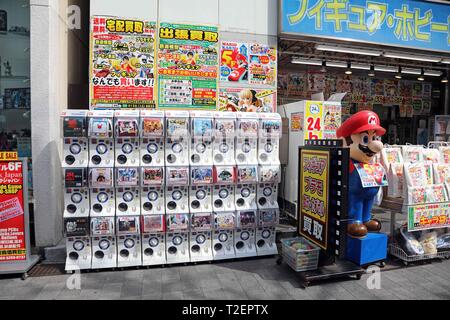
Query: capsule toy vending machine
[[78, 244], [244, 234], [101, 192], [152, 138], [201, 237], [129, 246], [223, 189], [101, 138], [75, 138], [177, 238], [76, 193], [224, 139], [269, 139], [153, 240], [201, 149], [223, 235], [177, 138], [247, 138], [200, 191], [126, 127], [177, 190], [245, 191], [104, 248], [266, 233], [128, 201], [267, 193], [152, 191]]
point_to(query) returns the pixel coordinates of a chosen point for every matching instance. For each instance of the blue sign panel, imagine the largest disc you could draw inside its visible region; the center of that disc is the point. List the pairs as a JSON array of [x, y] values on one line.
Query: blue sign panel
[[409, 23]]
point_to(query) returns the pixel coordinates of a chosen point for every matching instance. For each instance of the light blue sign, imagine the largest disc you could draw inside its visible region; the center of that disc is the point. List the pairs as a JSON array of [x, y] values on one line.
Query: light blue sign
[[409, 23]]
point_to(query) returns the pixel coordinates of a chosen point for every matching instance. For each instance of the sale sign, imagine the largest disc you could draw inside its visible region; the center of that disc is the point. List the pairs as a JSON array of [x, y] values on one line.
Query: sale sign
[[12, 219]]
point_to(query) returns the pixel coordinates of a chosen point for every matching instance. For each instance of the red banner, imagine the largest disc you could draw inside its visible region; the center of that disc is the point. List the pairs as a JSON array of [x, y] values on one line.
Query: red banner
[[12, 218]]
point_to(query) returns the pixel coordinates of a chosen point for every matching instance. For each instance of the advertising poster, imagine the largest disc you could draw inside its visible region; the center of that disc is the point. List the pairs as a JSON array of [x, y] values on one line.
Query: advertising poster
[[12, 218], [316, 82], [122, 63], [263, 65], [234, 62], [331, 119], [372, 175], [313, 120], [247, 100], [313, 186], [188, 66], [417, 89], [428, 216], [297, 122], [417, 107]]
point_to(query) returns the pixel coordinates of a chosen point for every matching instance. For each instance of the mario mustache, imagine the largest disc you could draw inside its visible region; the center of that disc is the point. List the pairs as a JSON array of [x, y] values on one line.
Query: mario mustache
[[366, 150]]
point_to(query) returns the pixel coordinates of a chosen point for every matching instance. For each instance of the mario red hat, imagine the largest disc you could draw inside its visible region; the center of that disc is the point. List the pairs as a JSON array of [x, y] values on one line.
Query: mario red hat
[[360, 122]]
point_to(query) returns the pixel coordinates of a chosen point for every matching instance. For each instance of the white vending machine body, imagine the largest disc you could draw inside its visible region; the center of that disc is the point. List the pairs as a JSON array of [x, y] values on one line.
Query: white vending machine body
[[201, 149], [201, 237], [128, 201], [102, 195], [269, 138], [101, 138], [75, 138], [129, 249], [245, 191], [78, 244], [244, 234], [126, 127], [152, 138], [266, 232], [247, 139], [177, 138], [224, 138], [152, 191], [177, 190], [267, 193], [153, 240], [223, 189], [76, 193], [177, 238], [104, 248], [223, 236]]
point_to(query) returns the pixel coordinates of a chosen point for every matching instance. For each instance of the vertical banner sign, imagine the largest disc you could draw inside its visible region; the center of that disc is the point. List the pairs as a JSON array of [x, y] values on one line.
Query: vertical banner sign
[[263, 65], [313, 186], [188, 66], [234, 62], [122, 63], [12, 219], [313, 120]]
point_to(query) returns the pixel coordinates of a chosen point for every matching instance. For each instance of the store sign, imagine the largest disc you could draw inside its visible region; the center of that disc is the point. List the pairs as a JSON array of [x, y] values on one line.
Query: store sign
[[428, 216], [314, 168], [313, 120], [188, 66], [410, 23], [12, 218], [8, 156], [122, 63]]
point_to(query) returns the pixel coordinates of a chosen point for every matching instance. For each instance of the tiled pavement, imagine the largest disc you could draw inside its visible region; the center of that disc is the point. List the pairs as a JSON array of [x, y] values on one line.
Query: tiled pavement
[[250, 279]]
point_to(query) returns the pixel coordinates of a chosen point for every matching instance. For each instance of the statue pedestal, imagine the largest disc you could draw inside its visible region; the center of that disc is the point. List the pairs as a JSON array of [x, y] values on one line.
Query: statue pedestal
[[372, 248]]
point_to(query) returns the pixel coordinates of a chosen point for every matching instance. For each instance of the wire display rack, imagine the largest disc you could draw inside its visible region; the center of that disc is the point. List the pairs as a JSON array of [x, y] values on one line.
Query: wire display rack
[[396, 251]]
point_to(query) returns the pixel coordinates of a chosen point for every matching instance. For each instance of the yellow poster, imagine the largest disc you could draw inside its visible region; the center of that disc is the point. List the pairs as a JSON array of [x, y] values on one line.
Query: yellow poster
[[313, 120], [313, 200]]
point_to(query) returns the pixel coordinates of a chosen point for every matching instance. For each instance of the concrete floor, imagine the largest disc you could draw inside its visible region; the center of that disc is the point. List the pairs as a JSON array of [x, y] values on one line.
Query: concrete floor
[[250, 279]]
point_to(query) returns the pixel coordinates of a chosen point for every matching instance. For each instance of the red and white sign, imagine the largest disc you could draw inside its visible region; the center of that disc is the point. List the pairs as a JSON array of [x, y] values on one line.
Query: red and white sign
[[12, 218]]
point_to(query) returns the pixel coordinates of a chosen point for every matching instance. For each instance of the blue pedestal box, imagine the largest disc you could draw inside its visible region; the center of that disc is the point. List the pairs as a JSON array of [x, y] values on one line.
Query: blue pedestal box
[[372, 248]]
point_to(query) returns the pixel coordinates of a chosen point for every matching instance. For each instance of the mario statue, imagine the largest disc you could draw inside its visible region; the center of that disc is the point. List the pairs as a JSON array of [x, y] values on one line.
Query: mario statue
[[362, 133]]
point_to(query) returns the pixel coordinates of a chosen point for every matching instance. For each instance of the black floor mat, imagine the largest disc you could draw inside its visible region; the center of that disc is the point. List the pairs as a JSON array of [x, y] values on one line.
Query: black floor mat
[[45, 270]]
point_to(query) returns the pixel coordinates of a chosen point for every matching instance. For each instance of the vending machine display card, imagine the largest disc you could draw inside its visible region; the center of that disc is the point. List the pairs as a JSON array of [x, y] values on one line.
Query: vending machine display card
[[152, 176], [269, 174], [127, 225], [75, 178], [74, 127], [127, 128], [177, 176], [127, 177], [153, 223], [224, 220], [202, 127], [76, 227], [246, 219], [102, 226], [247, 174], [201, 176], [225, 175], [201, 222], [101, 177], [152, 127], [177, 222], [101, 128]]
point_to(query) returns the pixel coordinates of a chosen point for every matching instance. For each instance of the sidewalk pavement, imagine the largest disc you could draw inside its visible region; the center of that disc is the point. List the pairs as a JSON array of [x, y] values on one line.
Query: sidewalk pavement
[[259, 279]]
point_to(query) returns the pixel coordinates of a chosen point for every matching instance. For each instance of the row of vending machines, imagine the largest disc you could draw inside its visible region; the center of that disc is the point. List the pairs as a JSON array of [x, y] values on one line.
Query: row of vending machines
[[128, 241], [132, 138], [98, 192]]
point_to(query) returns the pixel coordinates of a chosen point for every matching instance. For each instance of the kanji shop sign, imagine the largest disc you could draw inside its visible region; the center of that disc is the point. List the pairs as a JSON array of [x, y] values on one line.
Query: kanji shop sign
[[12, 218], [408, 23], [313, 200]]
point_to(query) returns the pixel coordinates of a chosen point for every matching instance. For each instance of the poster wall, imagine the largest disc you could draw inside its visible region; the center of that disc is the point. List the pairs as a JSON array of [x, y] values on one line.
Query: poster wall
[[12, 218], [122, 63], [188, 66], [247, 100]]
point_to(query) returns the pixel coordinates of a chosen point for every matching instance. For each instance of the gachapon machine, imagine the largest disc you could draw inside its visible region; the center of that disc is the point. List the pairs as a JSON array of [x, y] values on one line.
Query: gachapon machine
[[101, 138], [126, 126], [152, 138], [75, 138]]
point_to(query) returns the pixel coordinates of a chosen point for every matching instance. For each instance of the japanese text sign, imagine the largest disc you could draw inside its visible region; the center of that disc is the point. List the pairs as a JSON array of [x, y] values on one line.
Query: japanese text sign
[[313, 200], [12, 219], [409, 23], [429, 216]]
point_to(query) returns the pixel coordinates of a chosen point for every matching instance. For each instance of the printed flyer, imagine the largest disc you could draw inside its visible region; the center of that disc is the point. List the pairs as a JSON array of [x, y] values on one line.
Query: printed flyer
[[428, 216], [122, 63], [372, 175], [263, 65], [247, 100], [12, 219], [188, 66], [234, 62]]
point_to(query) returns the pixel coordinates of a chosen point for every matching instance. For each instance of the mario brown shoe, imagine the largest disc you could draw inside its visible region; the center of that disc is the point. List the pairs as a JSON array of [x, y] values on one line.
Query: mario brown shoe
[[357, 230], [373, 225]]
